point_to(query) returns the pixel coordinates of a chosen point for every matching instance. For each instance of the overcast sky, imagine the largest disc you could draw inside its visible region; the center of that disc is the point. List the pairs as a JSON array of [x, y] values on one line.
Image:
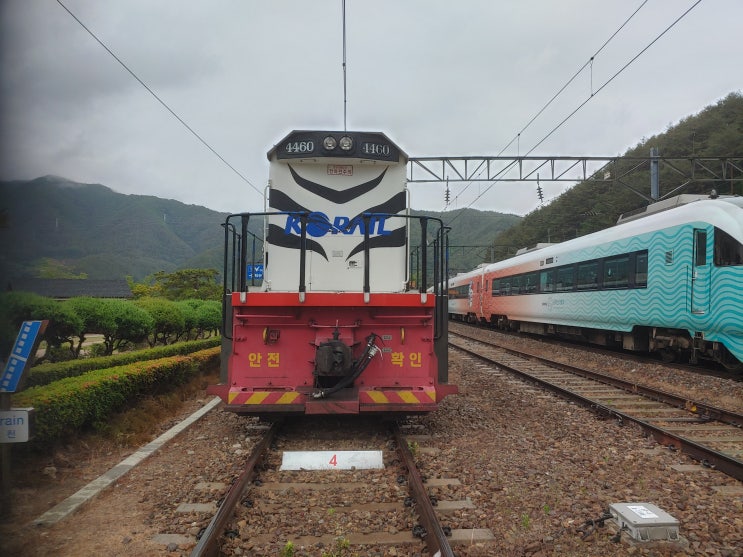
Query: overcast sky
[[440, 78]]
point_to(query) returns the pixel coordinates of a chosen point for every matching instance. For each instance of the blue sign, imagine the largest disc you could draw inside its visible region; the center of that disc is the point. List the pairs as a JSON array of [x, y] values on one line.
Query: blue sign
[[20, 354], [258, 269]]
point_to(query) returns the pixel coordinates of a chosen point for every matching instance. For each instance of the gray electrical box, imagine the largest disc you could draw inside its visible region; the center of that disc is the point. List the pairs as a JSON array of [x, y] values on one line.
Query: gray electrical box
[[645, 521]]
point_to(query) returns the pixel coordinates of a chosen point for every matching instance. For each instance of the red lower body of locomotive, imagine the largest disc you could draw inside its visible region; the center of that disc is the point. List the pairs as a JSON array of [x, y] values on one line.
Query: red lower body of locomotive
[[333, 353]]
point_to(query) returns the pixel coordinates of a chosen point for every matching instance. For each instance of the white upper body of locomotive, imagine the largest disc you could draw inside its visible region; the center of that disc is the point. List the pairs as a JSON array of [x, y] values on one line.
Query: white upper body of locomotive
[[337, 182]]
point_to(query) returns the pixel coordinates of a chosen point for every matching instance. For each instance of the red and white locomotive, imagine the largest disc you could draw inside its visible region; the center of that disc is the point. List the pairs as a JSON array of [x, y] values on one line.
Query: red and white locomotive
[[338, 325]]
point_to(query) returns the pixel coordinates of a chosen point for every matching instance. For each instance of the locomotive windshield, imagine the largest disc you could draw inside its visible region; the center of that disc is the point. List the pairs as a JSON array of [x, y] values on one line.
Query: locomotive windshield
[[728, 251]]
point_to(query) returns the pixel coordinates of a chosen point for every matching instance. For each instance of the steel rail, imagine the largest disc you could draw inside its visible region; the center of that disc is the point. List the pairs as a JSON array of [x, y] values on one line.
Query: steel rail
[[207, 546], [704, 410], [460, 328], [720, 461], [435, 539]]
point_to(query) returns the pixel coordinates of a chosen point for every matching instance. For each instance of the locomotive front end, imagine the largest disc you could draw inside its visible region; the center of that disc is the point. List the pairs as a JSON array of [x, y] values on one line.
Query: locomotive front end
[[336, 326]]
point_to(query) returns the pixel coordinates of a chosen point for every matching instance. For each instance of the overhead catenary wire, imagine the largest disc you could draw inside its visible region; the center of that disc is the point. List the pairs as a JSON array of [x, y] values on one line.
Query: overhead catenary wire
[[576, 74], [161, 101], [591, 96], [517, 137], [345, 90], [613, 77]]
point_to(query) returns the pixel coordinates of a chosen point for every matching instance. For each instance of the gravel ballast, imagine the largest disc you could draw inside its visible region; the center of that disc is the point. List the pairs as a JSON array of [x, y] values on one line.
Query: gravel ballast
[[535, 467]]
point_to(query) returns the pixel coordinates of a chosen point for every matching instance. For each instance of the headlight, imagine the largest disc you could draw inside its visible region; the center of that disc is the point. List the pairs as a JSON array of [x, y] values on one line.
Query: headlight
[[329, 143], [346, 143]]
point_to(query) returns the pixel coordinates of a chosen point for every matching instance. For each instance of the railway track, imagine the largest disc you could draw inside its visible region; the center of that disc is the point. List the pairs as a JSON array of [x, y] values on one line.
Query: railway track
[[711, 435], [708, 368], [329, 502]]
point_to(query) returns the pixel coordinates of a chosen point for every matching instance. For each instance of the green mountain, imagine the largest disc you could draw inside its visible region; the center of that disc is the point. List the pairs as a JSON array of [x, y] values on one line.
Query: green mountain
[[57, 228], [52, 227], [471, 235], [717, 131]]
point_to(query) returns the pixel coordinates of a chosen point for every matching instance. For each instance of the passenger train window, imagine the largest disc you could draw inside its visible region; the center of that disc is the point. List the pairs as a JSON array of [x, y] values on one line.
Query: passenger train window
[[616, 272], [641, 269], [629, 270], [515, 285], [587, 276], [547, 281], [505, 286], [564, 279], [459, 292], [700, 248], [728, 251]]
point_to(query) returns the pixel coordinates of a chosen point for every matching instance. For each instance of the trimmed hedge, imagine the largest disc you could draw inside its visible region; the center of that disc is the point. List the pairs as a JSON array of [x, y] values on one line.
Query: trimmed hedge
[[68, 405], [45, 374]]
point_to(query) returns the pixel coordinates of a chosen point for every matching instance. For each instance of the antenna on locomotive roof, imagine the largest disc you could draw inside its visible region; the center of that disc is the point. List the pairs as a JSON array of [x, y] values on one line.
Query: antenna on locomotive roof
[[345, 98]]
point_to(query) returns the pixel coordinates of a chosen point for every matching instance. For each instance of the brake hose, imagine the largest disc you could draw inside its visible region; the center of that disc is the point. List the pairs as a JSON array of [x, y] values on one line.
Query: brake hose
[[370, 351]]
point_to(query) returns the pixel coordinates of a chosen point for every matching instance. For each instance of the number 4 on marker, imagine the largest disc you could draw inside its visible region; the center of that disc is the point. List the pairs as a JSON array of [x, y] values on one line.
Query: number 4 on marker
[[334, 460]]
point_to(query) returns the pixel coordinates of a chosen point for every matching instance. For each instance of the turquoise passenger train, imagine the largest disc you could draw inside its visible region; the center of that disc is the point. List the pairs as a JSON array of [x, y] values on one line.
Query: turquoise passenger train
[[667, 279]]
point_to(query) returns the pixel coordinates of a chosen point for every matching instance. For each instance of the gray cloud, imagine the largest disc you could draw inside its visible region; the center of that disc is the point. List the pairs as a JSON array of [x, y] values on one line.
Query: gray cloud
[[440, 78]]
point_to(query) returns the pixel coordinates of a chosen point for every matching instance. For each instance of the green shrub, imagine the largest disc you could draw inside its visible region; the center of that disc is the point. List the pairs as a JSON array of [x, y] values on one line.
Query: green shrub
[[97, 350], [49, 372], [167, 318], [120, 322], [68, 405], [16, 307]]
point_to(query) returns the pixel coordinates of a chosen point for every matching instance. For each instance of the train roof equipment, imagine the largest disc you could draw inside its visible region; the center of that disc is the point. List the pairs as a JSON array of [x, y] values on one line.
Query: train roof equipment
[[672, 203]]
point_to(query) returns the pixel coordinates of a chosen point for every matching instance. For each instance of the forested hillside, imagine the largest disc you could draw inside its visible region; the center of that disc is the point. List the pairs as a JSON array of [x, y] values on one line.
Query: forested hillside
[[715, 131], [471, 235], [56, 228]]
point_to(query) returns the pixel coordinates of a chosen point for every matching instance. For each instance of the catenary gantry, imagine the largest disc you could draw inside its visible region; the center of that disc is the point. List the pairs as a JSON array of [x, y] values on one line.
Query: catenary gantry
[[687, 170]]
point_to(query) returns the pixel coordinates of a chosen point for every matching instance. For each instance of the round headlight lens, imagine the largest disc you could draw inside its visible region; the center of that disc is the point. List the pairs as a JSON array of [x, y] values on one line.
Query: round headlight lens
[[329, 143], [346, 143]]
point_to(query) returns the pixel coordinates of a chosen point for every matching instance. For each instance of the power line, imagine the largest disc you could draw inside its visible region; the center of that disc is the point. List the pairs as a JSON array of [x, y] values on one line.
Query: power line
[[517, 137], [580, 106], [162, 102], [615, 75], [345, 90], [583, 67]]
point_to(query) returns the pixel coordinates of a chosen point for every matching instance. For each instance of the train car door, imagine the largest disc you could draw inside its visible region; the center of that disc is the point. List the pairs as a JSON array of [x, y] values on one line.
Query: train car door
[[479, 297], [470, 296], [700, 274], [476, 298], [480, 281]]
